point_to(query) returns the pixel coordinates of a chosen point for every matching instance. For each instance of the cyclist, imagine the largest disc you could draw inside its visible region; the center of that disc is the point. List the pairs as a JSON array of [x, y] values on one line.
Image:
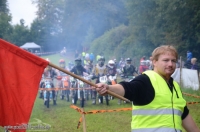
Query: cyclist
[[128, 70], [49, 72], [79, 70], [63, 80], [98, 71]]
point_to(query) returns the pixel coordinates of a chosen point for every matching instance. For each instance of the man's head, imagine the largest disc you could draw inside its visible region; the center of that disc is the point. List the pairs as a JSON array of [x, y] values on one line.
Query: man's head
[[163, 50], [193, 60], [164, 60], [62, 63]]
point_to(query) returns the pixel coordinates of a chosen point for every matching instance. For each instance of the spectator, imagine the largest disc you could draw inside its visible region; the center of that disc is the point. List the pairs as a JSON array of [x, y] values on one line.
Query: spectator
[[194, 65]]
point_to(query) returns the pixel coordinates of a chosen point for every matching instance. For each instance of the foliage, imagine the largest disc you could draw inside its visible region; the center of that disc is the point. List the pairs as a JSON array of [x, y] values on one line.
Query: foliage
[[20, 35], [88, 38], [110, 42], [68, 22], [5, 18], [77, 24], [5, 27], [165, 22], [3, 6]]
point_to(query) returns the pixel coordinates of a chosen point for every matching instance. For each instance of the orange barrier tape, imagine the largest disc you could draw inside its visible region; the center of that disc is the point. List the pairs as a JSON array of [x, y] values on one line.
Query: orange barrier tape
[[193, 102], [56, 89], [98, 111], [95, 112], [195, 96], [79, 123]]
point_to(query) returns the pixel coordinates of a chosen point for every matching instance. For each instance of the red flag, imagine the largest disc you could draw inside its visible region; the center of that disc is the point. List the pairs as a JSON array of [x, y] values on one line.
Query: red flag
[[20, 74]]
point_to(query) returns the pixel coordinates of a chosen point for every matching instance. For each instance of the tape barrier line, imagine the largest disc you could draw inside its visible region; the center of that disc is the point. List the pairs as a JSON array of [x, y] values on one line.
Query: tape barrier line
[[96, 112], [189, 103], [195, 96], [56, 89], [99, 111]]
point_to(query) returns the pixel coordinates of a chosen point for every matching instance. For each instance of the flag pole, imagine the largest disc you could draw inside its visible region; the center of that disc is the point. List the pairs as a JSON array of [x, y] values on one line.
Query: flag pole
[[86, 81]]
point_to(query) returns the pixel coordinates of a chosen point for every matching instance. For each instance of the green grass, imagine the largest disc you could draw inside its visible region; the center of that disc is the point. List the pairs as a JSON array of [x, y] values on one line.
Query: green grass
[[56, 57], [63, 118]]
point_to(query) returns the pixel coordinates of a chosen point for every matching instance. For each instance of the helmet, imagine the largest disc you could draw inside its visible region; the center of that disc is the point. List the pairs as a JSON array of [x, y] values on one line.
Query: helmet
[[128, 59], [78, 61], [102, 59], [61, 61], [111, 63], [144, 57]]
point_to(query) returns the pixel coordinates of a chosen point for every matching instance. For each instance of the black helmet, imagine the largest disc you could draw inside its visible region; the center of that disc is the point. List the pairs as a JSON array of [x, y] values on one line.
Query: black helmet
[[78, 59], [102, 58], [128, 59]]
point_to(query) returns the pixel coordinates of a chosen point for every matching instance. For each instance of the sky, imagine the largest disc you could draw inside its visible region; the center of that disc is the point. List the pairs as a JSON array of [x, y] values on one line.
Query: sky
[[22, 9]]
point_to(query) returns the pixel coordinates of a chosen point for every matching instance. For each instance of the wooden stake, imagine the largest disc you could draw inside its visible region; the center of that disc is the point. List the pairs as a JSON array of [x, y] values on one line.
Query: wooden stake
[[181, 72], [83, 119]]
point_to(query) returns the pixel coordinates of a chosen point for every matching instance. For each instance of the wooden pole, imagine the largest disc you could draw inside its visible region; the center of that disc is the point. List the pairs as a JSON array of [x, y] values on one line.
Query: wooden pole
[[83, 119], [181, 72], [86, 81]]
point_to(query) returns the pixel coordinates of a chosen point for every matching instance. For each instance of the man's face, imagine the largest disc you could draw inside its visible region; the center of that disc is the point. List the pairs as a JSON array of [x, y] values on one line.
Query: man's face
[[165, 65]]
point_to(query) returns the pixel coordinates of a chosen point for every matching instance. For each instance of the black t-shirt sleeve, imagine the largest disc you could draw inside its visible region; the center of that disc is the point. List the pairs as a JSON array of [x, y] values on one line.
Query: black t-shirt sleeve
[[140, 90], [185, 113]]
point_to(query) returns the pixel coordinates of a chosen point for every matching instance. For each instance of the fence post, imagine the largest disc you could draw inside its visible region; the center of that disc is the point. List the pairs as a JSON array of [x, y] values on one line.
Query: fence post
[[181, 72]]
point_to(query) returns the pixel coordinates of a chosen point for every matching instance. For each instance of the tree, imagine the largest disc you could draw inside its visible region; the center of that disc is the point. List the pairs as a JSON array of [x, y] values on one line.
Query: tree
[[5, 19], [4, 7], [20, 35], [89, 38]]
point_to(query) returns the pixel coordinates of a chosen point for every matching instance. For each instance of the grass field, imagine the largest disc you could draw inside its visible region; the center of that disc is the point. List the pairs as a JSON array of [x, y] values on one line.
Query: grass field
[[62, 118], [56, 57]]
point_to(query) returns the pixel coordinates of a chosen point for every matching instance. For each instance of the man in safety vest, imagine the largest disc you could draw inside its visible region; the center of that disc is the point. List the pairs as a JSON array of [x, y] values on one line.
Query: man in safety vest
[[157, 101]]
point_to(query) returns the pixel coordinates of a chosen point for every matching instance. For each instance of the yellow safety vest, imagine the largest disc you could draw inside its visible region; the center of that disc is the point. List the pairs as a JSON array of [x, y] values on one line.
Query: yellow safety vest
[[164, 113]]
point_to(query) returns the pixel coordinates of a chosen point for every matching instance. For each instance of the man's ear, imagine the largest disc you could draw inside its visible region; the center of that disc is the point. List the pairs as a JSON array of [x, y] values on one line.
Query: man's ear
[[154, 62]]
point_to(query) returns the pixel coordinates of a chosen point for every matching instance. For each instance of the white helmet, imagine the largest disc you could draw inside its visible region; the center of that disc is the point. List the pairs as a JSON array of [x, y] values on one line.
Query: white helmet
[[111, 63]]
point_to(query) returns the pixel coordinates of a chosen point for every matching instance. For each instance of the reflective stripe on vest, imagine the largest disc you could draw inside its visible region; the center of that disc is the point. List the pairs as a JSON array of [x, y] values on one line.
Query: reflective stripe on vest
[[156, 112], [164, 112], [156, 130]]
